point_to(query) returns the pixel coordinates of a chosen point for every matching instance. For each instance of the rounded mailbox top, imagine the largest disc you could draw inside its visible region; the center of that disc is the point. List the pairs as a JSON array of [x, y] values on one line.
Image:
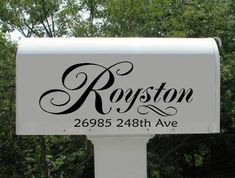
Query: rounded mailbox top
[[117, 46]]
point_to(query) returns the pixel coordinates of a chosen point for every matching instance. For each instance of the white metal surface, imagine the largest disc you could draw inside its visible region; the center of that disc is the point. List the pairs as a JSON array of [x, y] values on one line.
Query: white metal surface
[[54, 74], [116, 46], [120, 157]]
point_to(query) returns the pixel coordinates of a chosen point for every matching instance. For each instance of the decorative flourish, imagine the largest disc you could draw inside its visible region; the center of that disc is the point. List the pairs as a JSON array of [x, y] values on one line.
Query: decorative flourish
[[72, 82], [52, 100], [169, 111]]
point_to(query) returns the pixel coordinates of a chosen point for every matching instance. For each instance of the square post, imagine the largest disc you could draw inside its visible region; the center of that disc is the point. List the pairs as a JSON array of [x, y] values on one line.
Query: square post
[[120, 156]]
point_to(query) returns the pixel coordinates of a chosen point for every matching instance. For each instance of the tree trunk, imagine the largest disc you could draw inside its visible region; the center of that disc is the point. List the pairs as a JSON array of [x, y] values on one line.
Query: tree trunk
[[44, 164]]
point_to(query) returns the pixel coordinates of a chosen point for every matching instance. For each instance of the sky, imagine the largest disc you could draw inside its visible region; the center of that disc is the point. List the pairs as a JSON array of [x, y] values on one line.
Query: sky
[[16, 35]]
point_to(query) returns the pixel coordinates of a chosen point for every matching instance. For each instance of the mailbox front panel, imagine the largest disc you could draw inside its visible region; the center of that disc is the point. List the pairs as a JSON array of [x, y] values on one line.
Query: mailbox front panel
[[112, 93]]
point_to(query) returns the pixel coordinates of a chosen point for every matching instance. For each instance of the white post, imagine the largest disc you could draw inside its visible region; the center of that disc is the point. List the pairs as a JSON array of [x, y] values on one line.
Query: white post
[[120, 156]]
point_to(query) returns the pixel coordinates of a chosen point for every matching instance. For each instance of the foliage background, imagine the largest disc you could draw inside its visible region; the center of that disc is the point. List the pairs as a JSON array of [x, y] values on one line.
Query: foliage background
[[169, 156]]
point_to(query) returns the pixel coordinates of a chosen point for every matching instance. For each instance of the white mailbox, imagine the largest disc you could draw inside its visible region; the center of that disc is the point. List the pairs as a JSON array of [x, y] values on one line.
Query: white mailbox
[[117, 86]]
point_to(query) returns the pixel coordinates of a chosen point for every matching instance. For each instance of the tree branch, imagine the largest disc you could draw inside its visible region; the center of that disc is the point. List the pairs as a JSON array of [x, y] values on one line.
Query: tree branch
[[48, 29], [53, 25]]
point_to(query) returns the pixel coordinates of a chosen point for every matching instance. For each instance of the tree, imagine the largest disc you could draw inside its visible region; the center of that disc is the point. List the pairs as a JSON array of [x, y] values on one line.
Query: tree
[[39, 19]]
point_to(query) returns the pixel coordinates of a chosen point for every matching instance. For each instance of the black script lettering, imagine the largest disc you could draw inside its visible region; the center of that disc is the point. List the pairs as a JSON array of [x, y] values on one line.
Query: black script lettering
[[93, 80], [91, 88], [130, 99], [189, 93], [114, 93], [166, 94], [146, 96], [159, 90]]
